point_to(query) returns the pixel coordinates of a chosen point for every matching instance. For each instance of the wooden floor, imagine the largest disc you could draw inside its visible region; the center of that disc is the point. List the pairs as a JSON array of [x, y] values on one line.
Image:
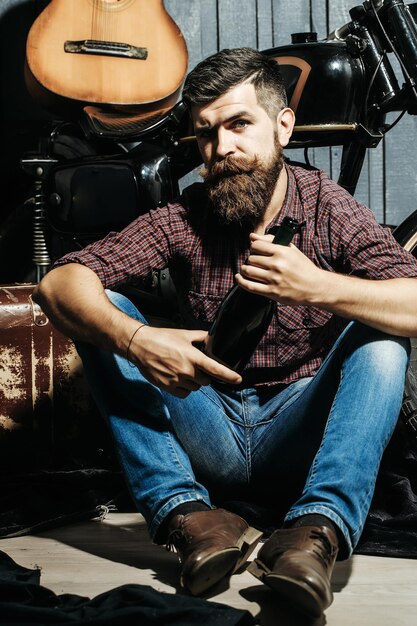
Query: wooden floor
[[92, 557]]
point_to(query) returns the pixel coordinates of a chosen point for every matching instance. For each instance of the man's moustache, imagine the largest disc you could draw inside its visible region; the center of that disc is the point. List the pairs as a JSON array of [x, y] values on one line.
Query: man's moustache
[[228, 168]]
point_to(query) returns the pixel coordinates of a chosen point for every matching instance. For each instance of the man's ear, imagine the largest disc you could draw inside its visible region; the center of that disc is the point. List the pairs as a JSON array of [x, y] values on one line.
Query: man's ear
[[285, 123]]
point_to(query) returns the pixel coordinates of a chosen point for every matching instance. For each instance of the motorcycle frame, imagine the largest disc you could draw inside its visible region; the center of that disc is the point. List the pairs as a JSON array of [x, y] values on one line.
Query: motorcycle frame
[[377, 28]]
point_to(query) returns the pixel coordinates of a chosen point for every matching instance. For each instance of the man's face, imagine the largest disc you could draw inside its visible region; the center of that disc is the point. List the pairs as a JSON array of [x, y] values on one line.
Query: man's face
[[242, 154], [234, 124]]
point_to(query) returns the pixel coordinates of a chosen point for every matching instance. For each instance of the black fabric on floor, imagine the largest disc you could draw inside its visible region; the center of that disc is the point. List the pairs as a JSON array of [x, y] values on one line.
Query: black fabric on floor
[[10, 571], [24, 603]]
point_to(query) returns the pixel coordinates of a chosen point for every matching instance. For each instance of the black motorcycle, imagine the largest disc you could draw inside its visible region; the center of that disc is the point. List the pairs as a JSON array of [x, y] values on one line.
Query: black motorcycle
[[100, 173]]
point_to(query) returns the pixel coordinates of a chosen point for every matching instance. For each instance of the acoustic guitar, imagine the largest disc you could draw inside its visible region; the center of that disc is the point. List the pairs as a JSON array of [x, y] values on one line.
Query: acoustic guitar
[[125, 53]]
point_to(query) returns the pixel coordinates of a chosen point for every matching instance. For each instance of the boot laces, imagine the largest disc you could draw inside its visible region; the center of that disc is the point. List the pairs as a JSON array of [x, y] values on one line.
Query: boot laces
[[175, 541], [323, 548]]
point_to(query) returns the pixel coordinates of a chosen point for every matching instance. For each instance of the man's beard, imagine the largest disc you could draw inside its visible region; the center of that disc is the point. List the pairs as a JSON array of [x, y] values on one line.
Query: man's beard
[[240, 189]]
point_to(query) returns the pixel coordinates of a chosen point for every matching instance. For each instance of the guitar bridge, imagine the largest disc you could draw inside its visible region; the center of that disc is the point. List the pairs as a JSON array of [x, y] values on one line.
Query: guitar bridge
[[106, 48]]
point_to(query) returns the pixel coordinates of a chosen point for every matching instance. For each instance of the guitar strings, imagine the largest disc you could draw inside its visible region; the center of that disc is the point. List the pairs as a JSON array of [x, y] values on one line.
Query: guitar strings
[[102, 22], [93, 20]]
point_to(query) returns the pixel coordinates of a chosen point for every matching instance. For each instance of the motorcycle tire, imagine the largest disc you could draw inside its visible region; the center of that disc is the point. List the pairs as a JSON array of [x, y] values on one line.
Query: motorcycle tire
[[406, 235]]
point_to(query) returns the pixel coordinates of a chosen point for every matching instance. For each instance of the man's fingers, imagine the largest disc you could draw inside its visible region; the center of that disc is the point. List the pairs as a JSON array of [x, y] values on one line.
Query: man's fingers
[[256, 237], [193, 368], [209, 368], [258, 260], [252, 286], [254, 273], [217, 370], [197, 336], [264, 248]]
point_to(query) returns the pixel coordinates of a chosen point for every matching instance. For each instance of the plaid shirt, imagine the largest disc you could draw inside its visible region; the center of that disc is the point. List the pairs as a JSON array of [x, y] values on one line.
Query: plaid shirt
[[338, 234]]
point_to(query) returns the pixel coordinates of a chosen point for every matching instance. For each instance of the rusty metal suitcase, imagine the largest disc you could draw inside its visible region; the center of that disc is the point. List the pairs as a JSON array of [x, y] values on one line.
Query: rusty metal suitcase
[[47, 416]]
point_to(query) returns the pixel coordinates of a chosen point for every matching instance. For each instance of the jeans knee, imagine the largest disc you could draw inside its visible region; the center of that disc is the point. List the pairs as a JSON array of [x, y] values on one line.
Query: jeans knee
[[374, 355], [124, 304], [380, 352], [389, 352]]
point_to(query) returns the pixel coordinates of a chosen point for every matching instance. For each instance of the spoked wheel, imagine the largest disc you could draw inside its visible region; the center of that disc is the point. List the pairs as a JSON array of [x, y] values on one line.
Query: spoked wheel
[[406, 235]]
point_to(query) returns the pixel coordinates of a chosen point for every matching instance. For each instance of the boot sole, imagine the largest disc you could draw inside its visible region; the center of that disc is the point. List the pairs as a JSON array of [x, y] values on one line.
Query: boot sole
[[217, 566], [299, 594]]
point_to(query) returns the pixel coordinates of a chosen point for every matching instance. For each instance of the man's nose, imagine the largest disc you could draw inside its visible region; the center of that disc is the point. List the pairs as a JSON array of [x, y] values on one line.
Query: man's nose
[[225, 143]]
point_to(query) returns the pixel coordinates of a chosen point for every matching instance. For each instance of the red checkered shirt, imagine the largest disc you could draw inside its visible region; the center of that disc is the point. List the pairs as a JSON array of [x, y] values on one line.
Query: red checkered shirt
[[338, 234]]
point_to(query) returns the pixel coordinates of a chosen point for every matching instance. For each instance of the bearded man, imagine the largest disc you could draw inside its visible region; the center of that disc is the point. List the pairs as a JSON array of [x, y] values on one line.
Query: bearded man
[[303, 429]]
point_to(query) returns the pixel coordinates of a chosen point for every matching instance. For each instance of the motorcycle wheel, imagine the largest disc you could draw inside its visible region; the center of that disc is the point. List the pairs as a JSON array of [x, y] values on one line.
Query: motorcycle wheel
[[406, 235]]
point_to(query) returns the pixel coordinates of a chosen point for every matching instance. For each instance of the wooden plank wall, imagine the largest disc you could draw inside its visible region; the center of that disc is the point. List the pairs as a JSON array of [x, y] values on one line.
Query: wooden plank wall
[[388, 182]]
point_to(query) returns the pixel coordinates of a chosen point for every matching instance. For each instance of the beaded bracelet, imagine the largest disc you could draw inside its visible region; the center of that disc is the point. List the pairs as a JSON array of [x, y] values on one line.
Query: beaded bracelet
[[130, 343]]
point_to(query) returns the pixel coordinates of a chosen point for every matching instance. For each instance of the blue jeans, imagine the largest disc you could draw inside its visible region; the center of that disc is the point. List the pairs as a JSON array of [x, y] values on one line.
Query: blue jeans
[[313, 446]]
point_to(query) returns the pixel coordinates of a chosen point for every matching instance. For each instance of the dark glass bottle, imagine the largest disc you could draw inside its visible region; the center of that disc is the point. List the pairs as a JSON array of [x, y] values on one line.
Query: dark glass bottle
[[243, 317]]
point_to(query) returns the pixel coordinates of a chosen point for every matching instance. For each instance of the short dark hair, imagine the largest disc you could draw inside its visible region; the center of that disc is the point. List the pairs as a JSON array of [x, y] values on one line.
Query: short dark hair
[[228, 68]]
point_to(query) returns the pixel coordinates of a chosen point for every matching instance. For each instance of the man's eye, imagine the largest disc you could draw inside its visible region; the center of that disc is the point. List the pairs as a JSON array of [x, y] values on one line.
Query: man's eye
[[240, 124]]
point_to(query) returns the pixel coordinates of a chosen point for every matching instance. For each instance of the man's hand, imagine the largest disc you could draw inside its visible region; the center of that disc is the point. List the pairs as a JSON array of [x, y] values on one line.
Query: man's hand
[[283, 273], [169, 359]]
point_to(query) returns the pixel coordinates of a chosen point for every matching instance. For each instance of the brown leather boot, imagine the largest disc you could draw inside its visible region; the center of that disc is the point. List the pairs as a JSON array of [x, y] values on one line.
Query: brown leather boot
[[211, 546], [298, 564]]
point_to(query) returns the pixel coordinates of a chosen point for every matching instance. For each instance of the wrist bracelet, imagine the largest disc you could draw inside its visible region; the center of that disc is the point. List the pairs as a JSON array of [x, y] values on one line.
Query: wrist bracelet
[[130, 343]]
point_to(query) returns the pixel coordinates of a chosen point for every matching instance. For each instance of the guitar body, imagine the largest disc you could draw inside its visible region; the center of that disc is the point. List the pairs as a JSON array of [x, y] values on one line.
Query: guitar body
[[116, 52]]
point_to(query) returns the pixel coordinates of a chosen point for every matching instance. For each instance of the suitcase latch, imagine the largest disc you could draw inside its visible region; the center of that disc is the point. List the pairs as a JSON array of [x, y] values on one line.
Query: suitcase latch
[[39, 317]]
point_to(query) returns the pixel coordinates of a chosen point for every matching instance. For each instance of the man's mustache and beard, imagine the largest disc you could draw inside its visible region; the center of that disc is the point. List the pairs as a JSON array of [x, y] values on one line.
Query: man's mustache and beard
[[240, 189]]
